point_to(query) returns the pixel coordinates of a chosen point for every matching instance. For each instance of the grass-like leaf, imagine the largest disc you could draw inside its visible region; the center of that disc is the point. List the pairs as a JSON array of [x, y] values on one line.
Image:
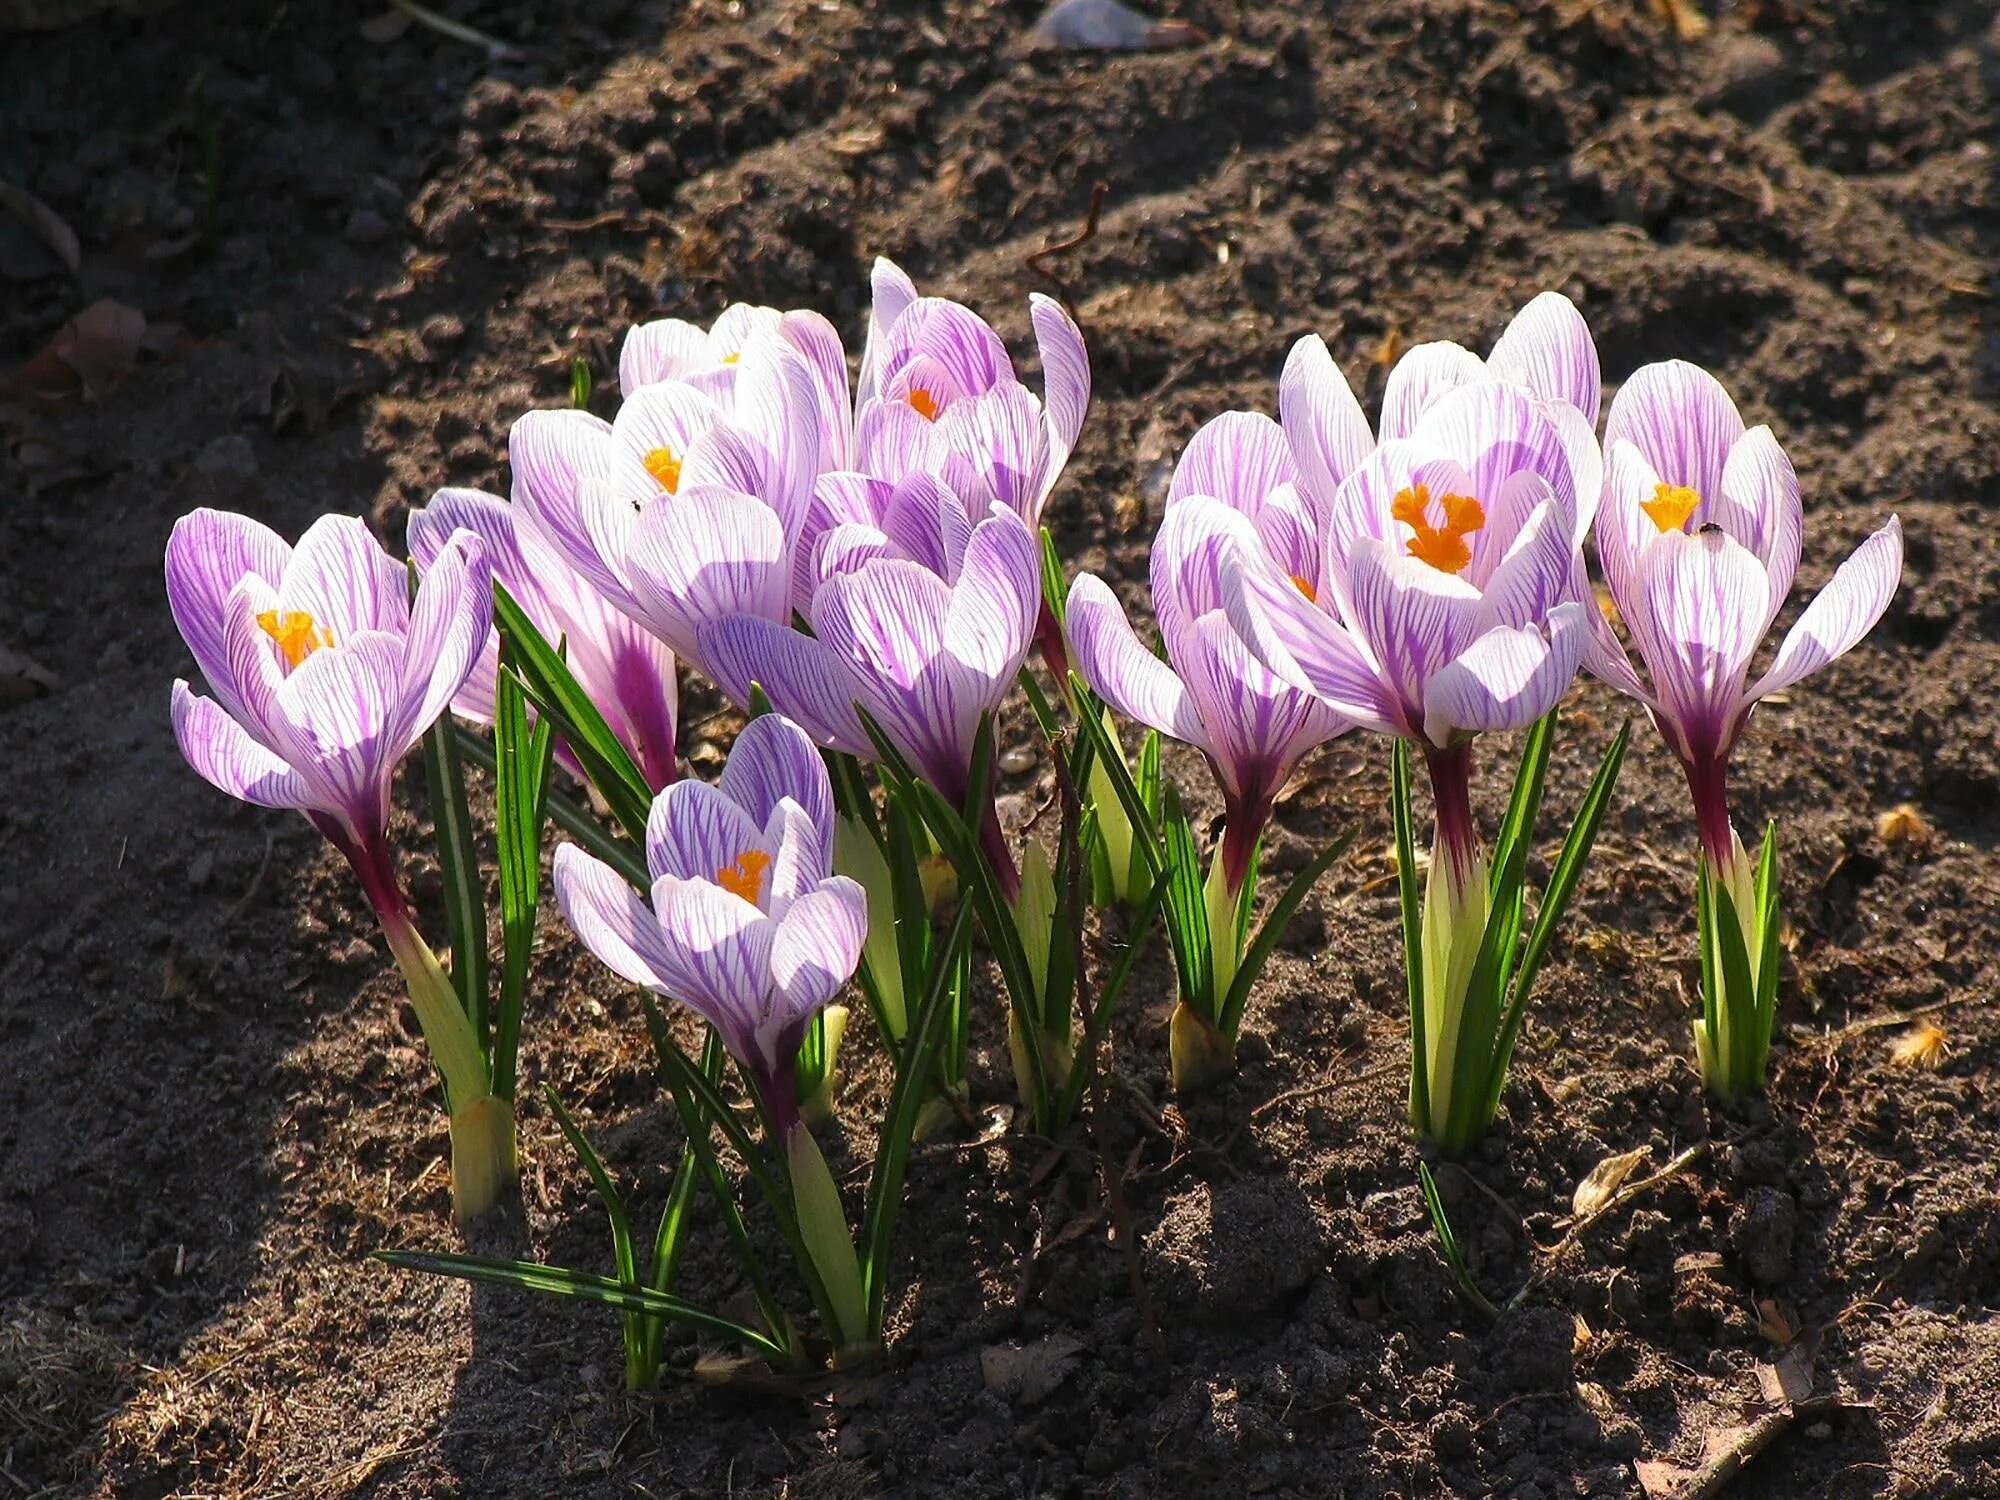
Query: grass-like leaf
[[1187, 912], [567, 814], [1273, 930], [1448, 1244], [458, 870], [522, 757], [1411, 893], [532, 1276]]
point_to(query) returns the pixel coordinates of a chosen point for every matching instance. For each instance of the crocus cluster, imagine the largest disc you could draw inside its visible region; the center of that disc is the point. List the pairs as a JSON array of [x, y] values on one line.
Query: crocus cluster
[[862, 569]]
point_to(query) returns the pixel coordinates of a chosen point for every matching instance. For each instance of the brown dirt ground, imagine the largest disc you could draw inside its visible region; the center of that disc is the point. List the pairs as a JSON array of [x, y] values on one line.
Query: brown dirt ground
[[375, 255]]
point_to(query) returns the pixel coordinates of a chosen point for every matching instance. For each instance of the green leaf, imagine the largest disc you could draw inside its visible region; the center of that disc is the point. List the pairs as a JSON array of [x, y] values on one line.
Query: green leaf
[[1413, 931], [1055, 592], [930, 1029], [1038, 701], [637, 1371], [1562, 885], [522, 756], [532, 1276], [575, 821], [579, 384], [1144, 819], [1517, 829], [458, 869], [1273, 930], [1767, 956], [1107, 999], [554, 690], [1187, 913], [671, 1233], [1737, 995], [1448, 1244]]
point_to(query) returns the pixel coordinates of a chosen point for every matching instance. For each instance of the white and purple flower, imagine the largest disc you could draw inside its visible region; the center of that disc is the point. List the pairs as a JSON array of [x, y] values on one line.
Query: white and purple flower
[[1235, 488], [746, 923], [324, 673]]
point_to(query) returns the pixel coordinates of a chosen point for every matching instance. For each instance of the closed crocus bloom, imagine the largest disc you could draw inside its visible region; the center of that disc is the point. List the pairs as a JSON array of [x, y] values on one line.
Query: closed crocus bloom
[[922, 619], [1699, 539], [628, 671], [711, 358], [746, 926], [325, 675], [938, 395], [1235, 488]]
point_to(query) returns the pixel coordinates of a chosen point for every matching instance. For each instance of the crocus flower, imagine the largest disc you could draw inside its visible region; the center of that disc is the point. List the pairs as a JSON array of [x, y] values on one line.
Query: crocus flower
[[710, 359], [324, 677], [747, 926], [938, 395], [1699, 538], [1444, 607], [687, 506], [628, 672], [1236, 487], [922, 619]]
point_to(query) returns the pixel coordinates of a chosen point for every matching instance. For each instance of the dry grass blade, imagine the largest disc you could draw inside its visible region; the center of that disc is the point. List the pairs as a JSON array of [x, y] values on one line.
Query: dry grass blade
[[1924, 1045], [1603, 1181]]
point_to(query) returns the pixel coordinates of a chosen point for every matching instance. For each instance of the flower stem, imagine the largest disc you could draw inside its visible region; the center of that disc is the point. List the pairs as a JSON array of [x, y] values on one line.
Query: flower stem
[[1456, 902]]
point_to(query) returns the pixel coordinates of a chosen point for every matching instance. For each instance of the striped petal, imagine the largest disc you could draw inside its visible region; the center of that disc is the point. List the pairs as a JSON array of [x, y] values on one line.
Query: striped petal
[[819, 345], [717, 952], [995, 602], [1548, 348], [342, 576], [803, 679], [1302, 644], [705, 555], [571, 477], [772, 761], [1703, 601], [699, 832], [1842, 612], [1109, 657], [818, 946], [1682, 421], [346, 702], [1065, 372], [208, 553], [1422, 376], [451, 623], [892, 292], [1760, 486], [961, 342], [667, 349], [1257, 727], [609, 918], [1506, 679], [223, 754], [886, 624], [1239, 458], [1002, 435], [1413, 619], [1323, 421]]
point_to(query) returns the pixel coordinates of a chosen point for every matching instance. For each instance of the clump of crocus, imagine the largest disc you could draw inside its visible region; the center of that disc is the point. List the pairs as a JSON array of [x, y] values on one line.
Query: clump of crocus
[[1699, 538], [1235, 488], [1443, 610], [747, 926], [627, 671], [325, 675]]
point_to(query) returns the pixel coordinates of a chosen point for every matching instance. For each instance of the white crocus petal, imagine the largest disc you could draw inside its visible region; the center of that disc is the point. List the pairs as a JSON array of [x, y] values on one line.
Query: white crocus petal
[[1420, 378], [1841, 613], [1760, 486], [1507, 679], [1702, 600], [1121, 670], [1302, 645], [1682, 420], [609, 917]]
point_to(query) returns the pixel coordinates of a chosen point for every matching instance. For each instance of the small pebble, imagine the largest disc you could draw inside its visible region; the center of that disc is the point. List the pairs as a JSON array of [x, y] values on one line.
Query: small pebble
[[366, 227]]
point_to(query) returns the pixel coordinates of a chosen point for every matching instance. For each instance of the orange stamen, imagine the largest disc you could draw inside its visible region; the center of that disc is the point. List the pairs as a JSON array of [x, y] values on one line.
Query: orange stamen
[[1671, 506], [1443, 547], [925, 403], [1311, 593], [665, 466], [730, 359], [297, 633], [745, 878]]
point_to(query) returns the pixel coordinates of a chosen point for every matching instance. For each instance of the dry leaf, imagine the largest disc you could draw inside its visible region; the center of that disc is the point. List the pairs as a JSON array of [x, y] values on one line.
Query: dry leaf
[[1903, 824], [1689, 24], [1602, 1184], [1580, 1334], [1776, 1322], [22, 677], [1023, 1374], [88, 355], [1924, 1045], [46, 222], [1390, 349]]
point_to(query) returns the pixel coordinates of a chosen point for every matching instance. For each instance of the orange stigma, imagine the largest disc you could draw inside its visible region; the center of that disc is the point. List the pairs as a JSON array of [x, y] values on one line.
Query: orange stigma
[[1443, 547], [664, 466], [730, 359], [1311, 593], [1671, 506], [297, 633], [745, 878], [924, 402]]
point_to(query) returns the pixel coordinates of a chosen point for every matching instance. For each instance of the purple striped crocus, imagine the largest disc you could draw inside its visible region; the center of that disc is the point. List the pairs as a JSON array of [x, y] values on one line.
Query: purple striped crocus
[[920, 616], [627, 671], [1235, 488], [711, 358], [937, 395], [324, 676], [748, 927], [1444, 608], [687, 507], [1699, 537]]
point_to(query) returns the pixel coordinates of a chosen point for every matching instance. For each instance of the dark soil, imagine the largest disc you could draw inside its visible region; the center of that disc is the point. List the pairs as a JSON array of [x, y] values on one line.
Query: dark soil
[[212, 1103]]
